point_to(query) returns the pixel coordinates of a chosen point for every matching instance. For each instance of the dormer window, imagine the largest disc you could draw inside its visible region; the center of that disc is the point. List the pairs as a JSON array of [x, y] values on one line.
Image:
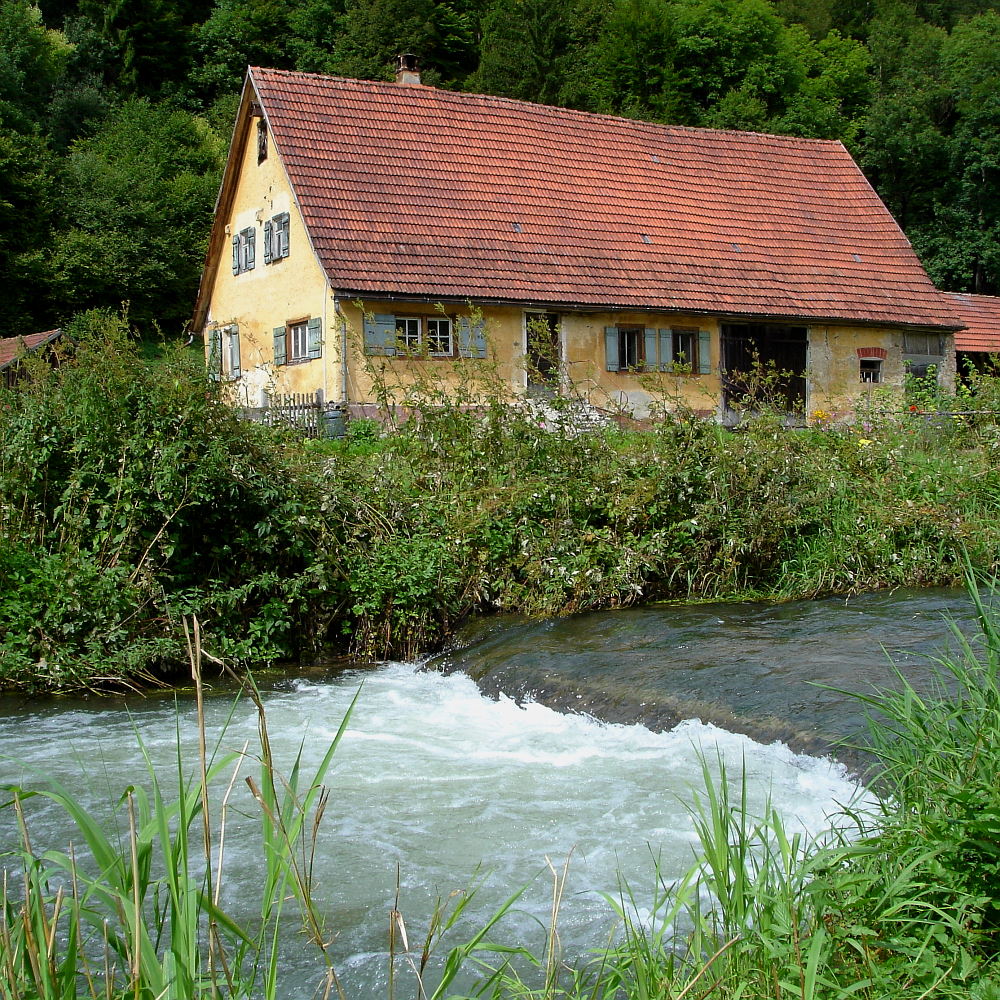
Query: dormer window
[[261, 140]]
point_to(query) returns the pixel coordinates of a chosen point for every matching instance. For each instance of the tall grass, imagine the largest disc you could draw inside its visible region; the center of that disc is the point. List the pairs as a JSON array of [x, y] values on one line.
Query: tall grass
[[133, 909], [898, 901]]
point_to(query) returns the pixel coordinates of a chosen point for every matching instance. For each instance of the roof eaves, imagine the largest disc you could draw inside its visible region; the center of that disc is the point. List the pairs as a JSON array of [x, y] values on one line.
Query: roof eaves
[[360, 295]]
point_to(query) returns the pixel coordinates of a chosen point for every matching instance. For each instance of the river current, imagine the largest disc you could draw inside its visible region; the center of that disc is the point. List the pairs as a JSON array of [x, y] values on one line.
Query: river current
[[437, 786]]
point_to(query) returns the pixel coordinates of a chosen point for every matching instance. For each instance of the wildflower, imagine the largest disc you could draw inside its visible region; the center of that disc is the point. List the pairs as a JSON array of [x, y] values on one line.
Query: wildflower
[[864, 442]]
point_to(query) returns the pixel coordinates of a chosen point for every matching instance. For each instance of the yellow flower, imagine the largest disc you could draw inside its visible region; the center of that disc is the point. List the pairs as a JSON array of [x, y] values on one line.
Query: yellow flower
[[864, 442]]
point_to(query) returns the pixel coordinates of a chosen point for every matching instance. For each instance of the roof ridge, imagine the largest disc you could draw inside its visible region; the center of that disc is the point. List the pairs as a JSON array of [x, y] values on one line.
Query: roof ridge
[[392, 88]]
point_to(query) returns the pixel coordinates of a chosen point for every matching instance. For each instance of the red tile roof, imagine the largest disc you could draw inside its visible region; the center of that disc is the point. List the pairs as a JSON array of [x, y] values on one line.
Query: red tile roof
[[414, 191], [981, 316], [12, 347]]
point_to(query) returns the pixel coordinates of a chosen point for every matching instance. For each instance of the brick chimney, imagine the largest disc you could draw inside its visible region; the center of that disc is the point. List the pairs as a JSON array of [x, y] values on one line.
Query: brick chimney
[[408, 70]]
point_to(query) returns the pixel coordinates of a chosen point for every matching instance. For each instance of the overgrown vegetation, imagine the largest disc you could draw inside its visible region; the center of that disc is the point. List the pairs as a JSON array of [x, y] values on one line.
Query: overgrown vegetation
[[899, 900], [131, 494]]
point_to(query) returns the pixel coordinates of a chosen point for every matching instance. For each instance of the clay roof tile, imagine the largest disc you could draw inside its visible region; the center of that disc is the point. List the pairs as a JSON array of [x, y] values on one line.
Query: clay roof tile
[[424, 192]]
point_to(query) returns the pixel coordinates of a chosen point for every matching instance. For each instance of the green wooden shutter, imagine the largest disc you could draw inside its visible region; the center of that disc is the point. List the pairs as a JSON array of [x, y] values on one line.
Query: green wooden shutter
[[236, 254], [235, 369], [268, 241], [649, 361], [704, 355], [471, 338], [315, 337], [611, 348], [380, 334], [666, 350], [279, 345], [251, 235], [215, 353], [282, 227]]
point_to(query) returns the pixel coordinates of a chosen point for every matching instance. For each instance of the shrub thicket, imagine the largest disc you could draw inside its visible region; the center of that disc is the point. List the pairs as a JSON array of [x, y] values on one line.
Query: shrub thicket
[[130, 494]]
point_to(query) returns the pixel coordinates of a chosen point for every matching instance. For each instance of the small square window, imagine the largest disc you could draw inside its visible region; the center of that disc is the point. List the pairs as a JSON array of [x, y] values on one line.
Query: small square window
[[408, 333], [871, 369], [439, 343]]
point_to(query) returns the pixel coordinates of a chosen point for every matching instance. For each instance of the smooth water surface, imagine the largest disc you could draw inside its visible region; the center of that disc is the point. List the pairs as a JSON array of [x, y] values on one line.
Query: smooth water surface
[[765, 670]]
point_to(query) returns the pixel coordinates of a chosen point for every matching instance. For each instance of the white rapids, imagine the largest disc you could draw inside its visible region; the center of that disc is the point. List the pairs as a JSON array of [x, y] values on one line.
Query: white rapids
[[439, 788]]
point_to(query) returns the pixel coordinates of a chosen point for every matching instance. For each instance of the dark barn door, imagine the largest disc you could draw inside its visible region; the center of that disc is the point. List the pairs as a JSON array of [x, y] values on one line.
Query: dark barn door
[[543, 353], [763, 364]]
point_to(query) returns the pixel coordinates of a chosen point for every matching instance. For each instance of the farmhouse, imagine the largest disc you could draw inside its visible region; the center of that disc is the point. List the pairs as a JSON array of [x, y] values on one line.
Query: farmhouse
[[373, 233]]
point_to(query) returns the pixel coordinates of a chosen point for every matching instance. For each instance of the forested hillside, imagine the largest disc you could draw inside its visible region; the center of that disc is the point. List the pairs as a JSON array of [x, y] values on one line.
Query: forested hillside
[[115, 116]]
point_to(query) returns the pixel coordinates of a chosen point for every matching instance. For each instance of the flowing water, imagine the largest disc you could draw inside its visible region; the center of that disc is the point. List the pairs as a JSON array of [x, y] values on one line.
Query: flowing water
[[437, 786]]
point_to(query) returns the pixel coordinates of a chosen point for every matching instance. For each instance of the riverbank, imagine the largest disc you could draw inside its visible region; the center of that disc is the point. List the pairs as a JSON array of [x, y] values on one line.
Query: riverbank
[[132, 496]]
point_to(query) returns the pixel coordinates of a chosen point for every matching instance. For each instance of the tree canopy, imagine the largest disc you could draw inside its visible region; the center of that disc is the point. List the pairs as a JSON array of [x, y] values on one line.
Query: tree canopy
[[114, 116]]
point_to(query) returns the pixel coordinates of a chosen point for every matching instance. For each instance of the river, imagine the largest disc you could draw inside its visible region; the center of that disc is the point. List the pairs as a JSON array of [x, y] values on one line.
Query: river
[[440, 785]]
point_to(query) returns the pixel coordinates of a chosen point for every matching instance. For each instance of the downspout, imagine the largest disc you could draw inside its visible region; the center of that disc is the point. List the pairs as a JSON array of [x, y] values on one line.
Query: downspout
[[326, 350], [343, 352]]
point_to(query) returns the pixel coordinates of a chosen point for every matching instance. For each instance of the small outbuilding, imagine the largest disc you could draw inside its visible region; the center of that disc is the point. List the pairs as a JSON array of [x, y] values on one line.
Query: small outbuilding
[[14, 349]]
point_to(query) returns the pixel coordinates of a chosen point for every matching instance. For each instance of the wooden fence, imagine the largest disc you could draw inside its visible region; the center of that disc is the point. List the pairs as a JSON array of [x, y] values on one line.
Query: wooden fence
[[306, 412]]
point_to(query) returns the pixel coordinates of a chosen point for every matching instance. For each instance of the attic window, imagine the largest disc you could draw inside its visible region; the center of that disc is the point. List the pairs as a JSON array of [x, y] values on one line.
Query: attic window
[[261, 140], [857, 258], [517, 227], [645, 238]]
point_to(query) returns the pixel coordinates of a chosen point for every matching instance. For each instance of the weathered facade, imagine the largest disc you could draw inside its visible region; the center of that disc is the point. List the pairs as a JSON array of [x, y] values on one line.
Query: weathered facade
[[370, 236]]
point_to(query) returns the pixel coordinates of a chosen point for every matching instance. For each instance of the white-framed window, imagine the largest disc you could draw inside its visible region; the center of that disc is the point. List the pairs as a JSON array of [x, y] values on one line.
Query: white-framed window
[[408, 333], [297, 341], [276, 238], [439, 342], [244, 250], [685, 349], [631, 348], [224, 352]]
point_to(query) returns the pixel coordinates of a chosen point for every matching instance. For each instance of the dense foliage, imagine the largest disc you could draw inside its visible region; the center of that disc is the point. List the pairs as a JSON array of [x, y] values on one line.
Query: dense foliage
[[114, 117], [131, 495]]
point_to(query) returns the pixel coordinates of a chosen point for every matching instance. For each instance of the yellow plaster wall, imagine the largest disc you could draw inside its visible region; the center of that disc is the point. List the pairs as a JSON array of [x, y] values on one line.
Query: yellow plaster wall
[[835, 388], [583, 352], [271, 295]]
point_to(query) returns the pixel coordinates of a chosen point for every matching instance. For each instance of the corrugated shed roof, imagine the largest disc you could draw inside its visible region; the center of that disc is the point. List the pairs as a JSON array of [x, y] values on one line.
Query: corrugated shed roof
[[12, 347], [981, 316], [421, 192]]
